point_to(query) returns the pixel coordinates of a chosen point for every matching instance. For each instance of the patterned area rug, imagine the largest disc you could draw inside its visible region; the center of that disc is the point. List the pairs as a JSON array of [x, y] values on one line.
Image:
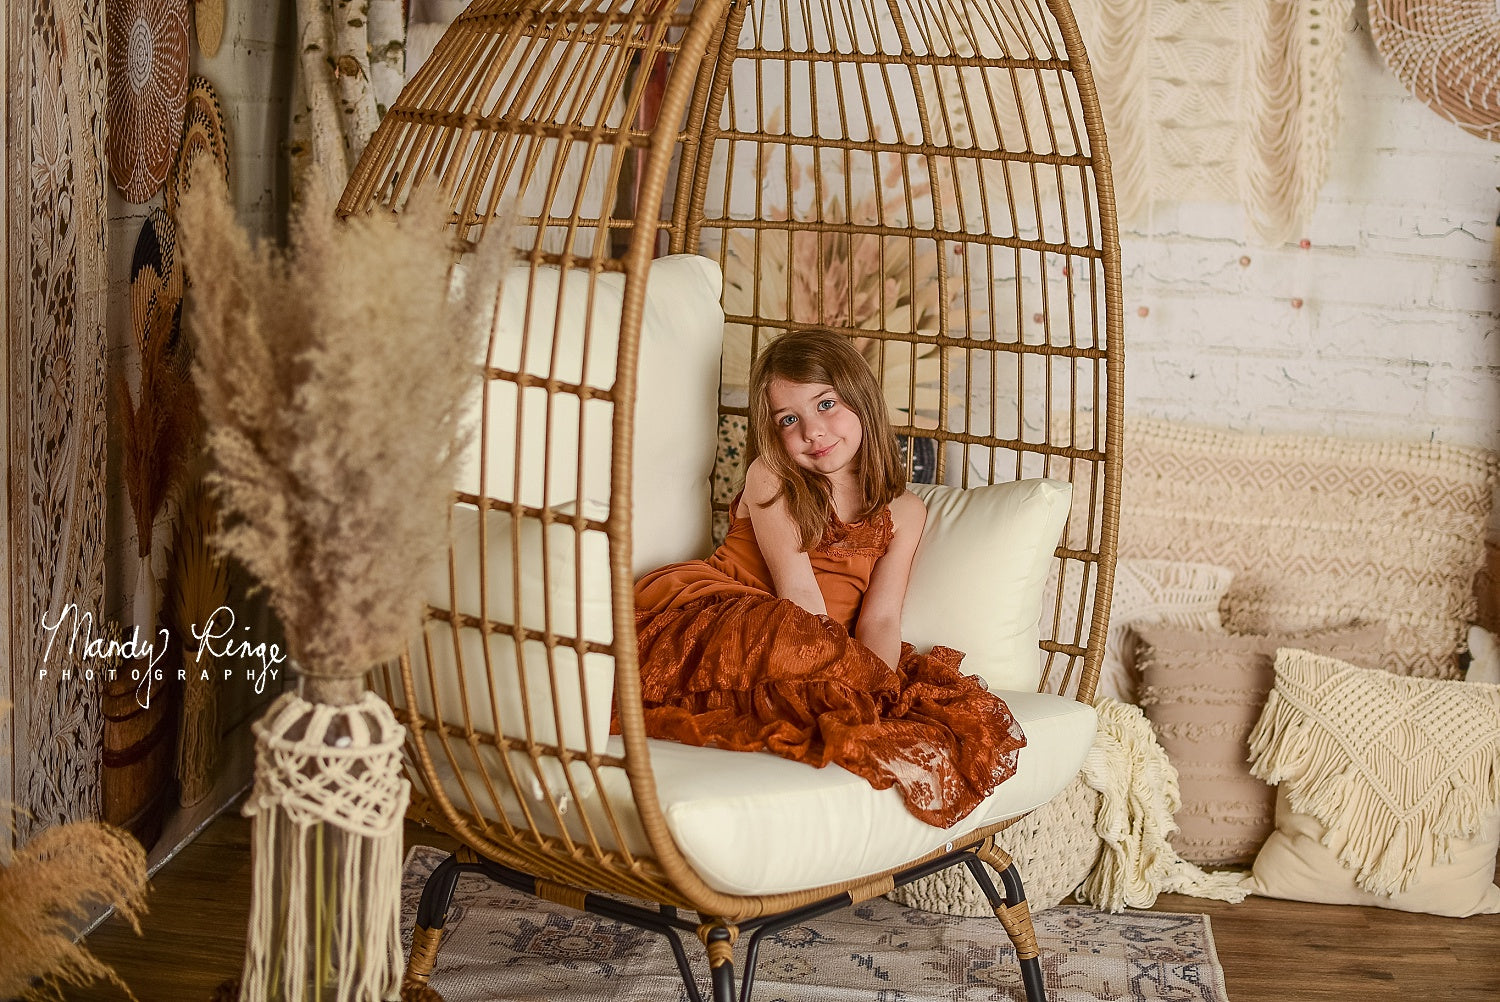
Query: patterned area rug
[[502, 945]]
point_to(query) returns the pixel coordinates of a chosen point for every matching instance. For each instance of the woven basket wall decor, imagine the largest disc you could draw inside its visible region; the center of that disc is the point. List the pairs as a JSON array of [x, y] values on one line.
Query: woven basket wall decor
[[1447, 53], [208, 24], [202, 133], [156, 248], [148, 69], [155, 277]]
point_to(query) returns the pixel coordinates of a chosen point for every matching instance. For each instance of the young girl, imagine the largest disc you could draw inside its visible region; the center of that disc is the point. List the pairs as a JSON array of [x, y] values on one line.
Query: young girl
[[788, 638]]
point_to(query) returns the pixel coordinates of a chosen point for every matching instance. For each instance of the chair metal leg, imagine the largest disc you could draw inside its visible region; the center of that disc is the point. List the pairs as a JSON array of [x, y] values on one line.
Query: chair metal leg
[[1013, 912], [718, 938], [432, 914]]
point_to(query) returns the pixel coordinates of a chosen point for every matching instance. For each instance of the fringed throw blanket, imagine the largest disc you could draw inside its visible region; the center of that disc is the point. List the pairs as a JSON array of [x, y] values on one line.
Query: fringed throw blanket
[[1138, 795], [1232, 100], [1396, 767]]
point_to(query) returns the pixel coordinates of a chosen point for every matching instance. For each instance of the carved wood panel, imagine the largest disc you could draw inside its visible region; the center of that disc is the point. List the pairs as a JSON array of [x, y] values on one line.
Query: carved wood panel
[[56, 276]]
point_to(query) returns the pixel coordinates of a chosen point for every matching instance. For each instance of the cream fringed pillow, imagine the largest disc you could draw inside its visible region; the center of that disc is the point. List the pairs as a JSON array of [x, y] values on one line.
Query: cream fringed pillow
[[1389, 788], [1145, 591]]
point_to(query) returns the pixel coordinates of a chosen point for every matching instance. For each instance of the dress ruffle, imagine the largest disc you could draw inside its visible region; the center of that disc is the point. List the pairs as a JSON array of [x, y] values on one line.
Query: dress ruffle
[[752, 672]]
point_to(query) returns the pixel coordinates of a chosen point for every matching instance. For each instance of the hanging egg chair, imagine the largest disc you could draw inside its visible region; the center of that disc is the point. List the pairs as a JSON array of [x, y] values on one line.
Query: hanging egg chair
[[927, 177]]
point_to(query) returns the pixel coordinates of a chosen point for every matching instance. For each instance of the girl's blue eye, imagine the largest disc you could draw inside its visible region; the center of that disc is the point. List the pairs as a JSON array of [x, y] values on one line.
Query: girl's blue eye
[[826, 404], [787, 420]]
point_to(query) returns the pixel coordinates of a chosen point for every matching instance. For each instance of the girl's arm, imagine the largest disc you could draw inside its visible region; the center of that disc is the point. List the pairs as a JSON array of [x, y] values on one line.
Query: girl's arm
[[780, 541], [879, 626]]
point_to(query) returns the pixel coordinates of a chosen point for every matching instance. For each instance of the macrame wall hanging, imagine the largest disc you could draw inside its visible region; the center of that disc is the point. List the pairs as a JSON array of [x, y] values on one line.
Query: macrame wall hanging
[[1235, 100], [1447, 53]]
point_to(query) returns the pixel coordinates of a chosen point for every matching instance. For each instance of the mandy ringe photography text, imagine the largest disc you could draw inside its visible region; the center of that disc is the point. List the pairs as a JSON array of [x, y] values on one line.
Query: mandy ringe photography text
[[213, 638]]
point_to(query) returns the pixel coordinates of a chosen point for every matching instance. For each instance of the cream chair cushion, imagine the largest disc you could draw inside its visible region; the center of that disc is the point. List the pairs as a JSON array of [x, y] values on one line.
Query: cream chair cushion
[[564, 448], [755, 823], [976, 583], [564, 578], [553, 598]]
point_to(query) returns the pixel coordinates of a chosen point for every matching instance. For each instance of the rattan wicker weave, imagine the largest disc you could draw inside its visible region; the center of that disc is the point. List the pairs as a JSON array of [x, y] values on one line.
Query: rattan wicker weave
[[1447, 53], [965, 136]]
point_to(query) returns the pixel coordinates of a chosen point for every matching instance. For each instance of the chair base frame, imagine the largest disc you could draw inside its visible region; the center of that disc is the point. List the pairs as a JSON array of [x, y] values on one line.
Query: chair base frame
[[718, 937]]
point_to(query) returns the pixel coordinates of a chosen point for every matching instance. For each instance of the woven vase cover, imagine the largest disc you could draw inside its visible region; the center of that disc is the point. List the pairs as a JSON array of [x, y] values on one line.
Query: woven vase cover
[[202, 133], [208, 24], [1447, 53], [148, 64]]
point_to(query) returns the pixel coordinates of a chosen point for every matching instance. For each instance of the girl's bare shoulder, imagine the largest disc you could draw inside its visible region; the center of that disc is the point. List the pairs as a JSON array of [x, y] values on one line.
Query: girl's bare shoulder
[[762, 484]]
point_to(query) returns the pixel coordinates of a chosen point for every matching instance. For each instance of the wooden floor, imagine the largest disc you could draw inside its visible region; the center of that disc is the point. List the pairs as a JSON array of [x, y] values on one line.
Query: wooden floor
[[1272, 951]]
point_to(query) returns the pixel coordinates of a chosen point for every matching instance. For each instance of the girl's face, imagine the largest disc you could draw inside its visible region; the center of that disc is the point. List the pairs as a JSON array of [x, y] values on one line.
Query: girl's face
[[818, 430]]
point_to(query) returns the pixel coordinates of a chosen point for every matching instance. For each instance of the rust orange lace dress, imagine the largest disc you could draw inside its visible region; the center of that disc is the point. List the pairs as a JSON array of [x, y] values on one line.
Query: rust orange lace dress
[[725, 663]]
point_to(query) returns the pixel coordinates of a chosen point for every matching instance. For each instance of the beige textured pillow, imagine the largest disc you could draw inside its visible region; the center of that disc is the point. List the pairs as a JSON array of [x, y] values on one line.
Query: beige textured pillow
[[1318, 530], [1202, 692], [1391, 788], [1146, 591]]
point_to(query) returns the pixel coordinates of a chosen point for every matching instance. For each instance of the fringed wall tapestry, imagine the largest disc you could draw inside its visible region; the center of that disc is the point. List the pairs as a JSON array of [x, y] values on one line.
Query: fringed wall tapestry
[[54, 359], [1447, 53], [1234, 100]]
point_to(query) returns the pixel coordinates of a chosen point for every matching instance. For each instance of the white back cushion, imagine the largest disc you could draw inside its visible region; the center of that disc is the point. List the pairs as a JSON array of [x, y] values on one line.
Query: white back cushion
[[563, 443], [976, 582], [554, 451], [564, 590]]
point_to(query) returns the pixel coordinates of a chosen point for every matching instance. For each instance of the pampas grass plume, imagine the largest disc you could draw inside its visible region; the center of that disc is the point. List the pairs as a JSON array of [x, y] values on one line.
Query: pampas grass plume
[[45, 892], [331, 377]]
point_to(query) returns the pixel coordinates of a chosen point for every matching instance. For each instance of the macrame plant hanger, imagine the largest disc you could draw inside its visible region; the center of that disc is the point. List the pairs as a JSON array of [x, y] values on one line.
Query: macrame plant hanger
[[954, 150]]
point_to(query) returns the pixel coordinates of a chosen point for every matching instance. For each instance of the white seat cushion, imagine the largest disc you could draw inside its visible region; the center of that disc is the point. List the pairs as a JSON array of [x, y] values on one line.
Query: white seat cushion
[[755, 823]]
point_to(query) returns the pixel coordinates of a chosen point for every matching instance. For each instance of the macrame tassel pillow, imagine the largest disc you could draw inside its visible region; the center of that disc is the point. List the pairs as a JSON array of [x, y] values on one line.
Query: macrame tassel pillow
[[1389, 788]]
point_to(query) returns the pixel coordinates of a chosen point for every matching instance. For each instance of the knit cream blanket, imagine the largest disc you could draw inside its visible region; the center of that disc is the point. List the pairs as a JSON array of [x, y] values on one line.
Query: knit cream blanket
[[1226, 100], [1138, 797]]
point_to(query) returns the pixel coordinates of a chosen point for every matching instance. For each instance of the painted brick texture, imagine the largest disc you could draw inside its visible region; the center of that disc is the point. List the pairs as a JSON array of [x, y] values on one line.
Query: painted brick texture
[[1397, 332]]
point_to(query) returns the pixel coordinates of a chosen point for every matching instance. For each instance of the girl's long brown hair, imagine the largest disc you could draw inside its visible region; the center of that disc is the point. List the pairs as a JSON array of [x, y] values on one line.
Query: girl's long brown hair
[[821, 356]]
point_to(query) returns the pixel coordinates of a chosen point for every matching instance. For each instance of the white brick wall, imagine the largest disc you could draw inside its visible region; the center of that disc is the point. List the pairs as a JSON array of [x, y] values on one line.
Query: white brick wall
[[1397, 335]]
